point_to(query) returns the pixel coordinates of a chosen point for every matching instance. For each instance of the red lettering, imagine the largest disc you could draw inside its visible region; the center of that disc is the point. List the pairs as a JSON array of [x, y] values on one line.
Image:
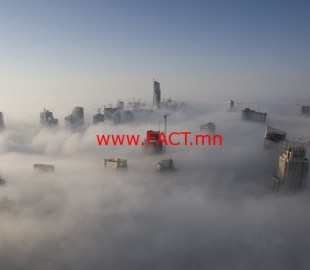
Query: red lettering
[[170, 138], [103, 139], [162, 138]]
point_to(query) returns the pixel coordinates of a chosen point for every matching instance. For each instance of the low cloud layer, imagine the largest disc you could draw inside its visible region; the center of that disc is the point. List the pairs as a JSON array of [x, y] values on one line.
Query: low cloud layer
[[215, 212]]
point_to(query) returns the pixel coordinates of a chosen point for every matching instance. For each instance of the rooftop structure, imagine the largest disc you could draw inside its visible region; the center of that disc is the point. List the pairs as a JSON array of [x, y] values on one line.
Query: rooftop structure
[[76, 118], [43, 168], [275, 135], [109, 112], [293, 167], [134, 111], [120, 104], [165, 165], [252, 115], [208, 127], [136, 105], [115, 163], [47, 119], [98, 118]]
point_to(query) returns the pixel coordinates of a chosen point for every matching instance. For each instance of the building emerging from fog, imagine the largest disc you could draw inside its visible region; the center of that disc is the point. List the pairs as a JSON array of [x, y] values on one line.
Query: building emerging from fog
[[137, 110], [43, 168], [76, 118], [156, 95], [293, 167], [115, 163], [98, 117], [305, 110], [118, 115], [152, 144], [208, 127], [168, 104], [2, 181], [47, 119], [252, 115], [165, 165], [273, 136], [78, 113], [1, 120], [231, 105]]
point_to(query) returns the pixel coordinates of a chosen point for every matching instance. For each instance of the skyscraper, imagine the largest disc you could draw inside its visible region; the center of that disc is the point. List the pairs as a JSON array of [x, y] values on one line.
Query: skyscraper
[[47, 119], [76, 118], [156, 97], [293, 167], [78, 113]]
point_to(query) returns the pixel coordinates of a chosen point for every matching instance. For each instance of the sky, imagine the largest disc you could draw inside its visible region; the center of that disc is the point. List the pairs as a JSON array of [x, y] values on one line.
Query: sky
[[53, 53]]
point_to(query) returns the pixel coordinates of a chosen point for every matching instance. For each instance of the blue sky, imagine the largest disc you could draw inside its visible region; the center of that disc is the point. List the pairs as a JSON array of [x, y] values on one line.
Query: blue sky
[[112, 49]]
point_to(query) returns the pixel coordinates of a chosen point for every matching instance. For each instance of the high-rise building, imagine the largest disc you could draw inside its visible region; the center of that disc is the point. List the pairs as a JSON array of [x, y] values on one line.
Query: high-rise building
[[78, 113], [1, 120], [109, 112], [47, 119], [274, 135], [293, 167], [71, 121], [156, 96], [120, 104], [252, 115], [98, 117], [76, 118]]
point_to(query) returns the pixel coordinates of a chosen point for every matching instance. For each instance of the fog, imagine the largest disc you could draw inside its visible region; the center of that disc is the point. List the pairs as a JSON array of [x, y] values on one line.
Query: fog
[[216, 212]]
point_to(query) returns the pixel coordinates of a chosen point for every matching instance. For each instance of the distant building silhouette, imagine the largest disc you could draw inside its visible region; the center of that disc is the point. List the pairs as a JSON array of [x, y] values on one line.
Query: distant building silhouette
[[78, 113], [304, 110], [252, 115], [76, 118], [43, 168], [47, 119], [1, 120], [231, 105], [98, 117]]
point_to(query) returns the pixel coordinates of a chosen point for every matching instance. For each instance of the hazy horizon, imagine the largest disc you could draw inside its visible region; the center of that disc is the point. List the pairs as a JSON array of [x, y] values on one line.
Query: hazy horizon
[[79, 51]]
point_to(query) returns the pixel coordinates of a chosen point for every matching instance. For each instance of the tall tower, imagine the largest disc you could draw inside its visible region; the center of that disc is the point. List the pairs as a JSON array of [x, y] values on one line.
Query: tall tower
[[293, 167], [78, 113], [156, 97]]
